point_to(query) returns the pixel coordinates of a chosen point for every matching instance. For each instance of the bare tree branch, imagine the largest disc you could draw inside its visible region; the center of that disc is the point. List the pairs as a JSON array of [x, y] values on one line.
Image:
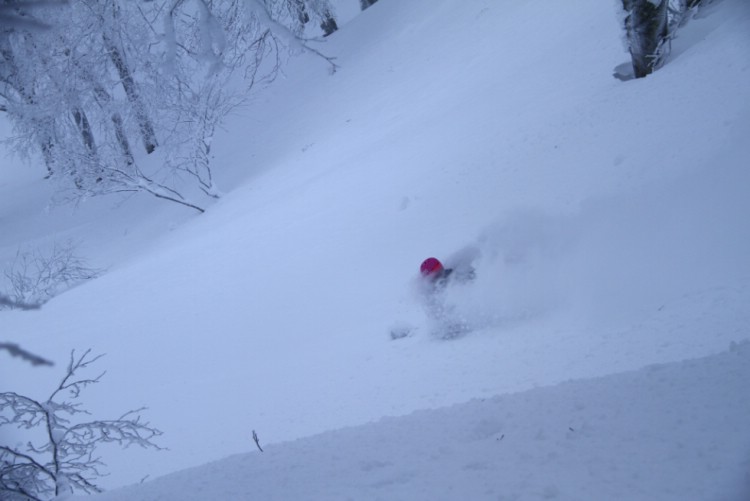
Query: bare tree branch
[[17, 351]]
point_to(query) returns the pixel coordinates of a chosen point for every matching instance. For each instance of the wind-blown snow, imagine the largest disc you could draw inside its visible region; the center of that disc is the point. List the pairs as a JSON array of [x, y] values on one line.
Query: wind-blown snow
[[610, 220]]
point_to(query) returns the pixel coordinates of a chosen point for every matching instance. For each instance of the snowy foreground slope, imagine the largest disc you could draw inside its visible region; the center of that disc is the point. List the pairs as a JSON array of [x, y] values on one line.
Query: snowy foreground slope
[[667, 432], [611, 222]]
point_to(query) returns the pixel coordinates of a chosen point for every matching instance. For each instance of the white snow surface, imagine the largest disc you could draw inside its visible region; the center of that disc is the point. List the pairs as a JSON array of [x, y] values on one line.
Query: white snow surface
[[606, 357], [649, 434]]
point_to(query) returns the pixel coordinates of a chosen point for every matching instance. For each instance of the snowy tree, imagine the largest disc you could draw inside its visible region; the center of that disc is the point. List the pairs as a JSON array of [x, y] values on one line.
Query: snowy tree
[[109, 74], [64, 461], [205, 45], [649, 27], [328, 24], [70, 91], [296, 14], [36, 276], [646, 31], [366, 3]]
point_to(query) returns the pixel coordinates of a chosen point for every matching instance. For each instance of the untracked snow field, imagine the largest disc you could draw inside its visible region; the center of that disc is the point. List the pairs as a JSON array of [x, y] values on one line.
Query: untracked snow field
[[605, 354]]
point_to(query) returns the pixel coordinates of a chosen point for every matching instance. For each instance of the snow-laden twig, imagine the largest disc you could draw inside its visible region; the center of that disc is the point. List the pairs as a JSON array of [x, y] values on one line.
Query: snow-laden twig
[[258, 9], [65, 462], [38, 275]]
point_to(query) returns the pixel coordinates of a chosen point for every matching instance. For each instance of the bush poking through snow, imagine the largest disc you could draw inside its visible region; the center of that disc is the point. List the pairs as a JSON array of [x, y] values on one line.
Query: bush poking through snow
[[64, 461], [35, 277]]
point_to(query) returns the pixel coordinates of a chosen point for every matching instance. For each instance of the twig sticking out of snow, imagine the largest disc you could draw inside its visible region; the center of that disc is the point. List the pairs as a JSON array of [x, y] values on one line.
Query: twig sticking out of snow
[[257, 441]]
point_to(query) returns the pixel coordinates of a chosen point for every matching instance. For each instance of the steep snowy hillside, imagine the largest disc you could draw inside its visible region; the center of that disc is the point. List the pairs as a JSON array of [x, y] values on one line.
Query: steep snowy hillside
[[608, 221]]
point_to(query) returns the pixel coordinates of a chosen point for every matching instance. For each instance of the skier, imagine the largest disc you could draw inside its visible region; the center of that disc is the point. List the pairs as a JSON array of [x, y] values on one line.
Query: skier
[[433, 271], [435, 277], [430, 287]]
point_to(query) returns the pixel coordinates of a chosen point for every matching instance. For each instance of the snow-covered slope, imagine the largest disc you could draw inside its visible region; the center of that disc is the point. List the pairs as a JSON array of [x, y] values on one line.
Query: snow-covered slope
[[610, 217], [650, 434]]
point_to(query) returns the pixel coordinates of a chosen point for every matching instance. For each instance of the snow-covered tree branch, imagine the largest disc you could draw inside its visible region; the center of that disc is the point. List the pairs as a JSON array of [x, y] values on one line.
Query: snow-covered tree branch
[[109, 74], [36, 276], [64, 461]]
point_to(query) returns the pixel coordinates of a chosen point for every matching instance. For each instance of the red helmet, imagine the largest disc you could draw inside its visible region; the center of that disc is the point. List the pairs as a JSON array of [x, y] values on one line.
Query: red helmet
[[431, 267]]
